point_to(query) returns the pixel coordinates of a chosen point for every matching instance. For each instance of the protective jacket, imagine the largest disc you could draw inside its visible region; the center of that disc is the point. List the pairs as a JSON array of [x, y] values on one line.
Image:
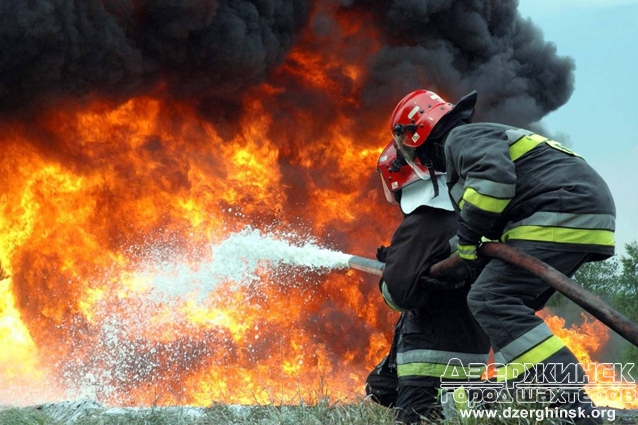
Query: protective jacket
[[423, 238], [511, 184], [436, 326]]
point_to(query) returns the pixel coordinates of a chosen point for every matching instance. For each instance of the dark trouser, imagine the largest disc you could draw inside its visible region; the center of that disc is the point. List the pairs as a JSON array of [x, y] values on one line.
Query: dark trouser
[[424, 342], [381, 385], [418, 404], [504, 300], [411, 403]]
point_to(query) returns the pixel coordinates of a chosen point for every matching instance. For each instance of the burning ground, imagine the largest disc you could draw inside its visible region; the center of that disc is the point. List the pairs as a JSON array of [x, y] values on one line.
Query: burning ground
[[138, 135]]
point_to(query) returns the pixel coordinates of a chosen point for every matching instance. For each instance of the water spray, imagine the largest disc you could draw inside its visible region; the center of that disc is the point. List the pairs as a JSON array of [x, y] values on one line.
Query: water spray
[[242, 253]]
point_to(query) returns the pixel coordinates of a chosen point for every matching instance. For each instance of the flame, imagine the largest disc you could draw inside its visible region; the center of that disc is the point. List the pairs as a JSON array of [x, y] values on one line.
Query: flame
[[146, 182], [106, 210], [609, 385]]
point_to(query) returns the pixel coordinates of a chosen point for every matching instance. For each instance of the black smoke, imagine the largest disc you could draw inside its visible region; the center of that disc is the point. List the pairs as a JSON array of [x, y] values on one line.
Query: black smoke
[[54, 50], [456, 46], [211, 51]]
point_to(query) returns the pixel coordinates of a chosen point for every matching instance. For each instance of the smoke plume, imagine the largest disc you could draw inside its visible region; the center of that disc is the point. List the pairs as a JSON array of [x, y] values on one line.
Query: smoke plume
[[60, 49], [214, 51]]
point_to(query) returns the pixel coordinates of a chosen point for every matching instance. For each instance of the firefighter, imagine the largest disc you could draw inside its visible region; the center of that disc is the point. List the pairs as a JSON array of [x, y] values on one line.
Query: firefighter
[[527, 191], [435, 329]]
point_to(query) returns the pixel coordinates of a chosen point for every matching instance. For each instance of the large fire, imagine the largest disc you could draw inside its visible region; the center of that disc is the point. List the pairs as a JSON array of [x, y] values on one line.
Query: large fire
[[101, 202], [95, 198], [147, 182]]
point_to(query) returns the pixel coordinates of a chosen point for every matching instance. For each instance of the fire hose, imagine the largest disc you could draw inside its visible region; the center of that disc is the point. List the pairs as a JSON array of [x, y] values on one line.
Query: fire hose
[[563, 284]]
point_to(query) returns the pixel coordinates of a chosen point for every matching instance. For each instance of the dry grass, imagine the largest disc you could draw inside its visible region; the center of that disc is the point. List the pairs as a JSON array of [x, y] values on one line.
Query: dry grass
[[363, 413], [322, 413]]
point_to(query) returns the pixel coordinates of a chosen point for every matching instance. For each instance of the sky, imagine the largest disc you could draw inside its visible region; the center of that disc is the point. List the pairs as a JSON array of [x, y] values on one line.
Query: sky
[[600, 120]]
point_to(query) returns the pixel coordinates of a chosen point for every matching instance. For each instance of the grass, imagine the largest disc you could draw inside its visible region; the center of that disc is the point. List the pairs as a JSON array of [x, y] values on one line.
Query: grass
[[322, 413]]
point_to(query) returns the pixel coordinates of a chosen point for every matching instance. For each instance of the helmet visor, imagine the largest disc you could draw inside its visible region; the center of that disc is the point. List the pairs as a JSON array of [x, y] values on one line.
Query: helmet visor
[[389, 196], [408, 153]]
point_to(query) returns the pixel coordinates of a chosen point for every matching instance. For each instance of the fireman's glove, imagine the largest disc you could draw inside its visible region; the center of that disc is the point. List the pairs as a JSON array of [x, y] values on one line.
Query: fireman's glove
[[468, 245], [455, 279], [382, 253]]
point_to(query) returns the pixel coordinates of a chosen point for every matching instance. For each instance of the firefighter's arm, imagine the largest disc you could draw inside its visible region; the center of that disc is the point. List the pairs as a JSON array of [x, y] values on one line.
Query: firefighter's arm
[[406, 284], [382, 253], [456, 278], [401, 291], [425, 284], [481, 158], [404, 260]]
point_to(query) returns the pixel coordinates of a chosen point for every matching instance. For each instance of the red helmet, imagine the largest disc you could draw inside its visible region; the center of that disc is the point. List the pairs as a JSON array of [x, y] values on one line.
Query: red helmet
[[415, 116], [396, 174], [412, 122]]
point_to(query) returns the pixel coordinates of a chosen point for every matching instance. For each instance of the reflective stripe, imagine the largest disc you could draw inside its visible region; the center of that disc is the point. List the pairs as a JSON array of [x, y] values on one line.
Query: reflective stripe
[[525, 144], [441, 357], [528, 142], [498, 358], [468, 252], [387, 298], [485, 202], [440, 371], [491, 188], [561, 235], [559, 146], [575, 221], [536, 355], [526, 341]]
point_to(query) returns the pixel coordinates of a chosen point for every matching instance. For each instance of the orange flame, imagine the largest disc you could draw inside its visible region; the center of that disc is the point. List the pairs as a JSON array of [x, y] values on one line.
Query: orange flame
[[609, 386], [143, 183], [97, 204]]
